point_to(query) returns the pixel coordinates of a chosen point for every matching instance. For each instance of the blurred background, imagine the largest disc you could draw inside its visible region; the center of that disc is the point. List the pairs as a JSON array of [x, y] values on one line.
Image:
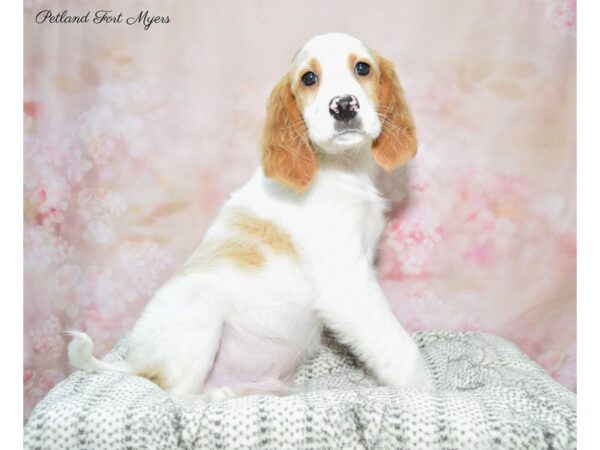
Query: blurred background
[[134, 138]]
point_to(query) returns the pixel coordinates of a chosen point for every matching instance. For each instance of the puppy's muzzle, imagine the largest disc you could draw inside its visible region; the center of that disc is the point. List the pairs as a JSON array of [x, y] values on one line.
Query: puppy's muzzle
[[344, 108]]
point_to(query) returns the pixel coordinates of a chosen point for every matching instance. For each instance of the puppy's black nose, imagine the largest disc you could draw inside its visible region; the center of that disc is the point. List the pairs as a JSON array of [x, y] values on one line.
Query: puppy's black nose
[[343, 108]]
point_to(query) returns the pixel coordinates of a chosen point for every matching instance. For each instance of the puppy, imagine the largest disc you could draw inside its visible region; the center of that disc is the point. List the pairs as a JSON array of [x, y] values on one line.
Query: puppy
[[292, 250]]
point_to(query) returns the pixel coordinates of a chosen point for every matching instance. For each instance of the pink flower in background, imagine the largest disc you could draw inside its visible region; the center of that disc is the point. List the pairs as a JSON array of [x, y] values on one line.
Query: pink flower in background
[[564, 14], [99, 208], [50, 378], [488, 207], [28, 379], [114, 126], [50, 197], [104, 329], [141, 264], [479, 254], [423, 169], [98, 133], [77, 166], [100, 203], [43, 248], [413, 238], [100, 149], [66, 277], [53, 157], [57, 156], [52, 170], [47, 339], [96, 286]]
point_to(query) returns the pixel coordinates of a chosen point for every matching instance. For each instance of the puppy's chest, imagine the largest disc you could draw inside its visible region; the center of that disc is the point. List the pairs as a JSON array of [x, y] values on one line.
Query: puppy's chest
[[351, 225]]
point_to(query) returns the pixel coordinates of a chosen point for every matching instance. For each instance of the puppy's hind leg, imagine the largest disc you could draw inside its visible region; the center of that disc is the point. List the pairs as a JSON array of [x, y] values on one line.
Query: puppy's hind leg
[[175, 341]]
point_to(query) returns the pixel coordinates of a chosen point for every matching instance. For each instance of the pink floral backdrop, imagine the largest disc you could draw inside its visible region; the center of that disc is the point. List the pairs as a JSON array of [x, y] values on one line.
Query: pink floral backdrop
[[133, 138]]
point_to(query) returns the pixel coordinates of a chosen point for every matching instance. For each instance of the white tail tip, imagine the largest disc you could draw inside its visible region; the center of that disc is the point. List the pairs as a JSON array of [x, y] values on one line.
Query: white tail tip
[[80, 349], [80, 354]]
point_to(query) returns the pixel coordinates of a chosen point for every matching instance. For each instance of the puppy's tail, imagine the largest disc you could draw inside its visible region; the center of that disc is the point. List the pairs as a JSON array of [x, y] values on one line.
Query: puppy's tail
[[80, 355]]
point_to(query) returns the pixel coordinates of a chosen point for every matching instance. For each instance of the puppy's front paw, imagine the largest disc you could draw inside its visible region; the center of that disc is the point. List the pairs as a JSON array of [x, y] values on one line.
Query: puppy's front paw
[[420, 377], [412, 373]]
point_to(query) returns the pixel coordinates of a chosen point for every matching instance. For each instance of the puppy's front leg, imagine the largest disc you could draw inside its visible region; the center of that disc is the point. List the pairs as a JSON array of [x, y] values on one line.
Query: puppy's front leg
[[352, 304]]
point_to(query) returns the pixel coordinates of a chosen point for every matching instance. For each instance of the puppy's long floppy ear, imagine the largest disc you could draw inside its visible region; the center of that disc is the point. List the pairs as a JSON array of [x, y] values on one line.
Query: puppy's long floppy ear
[[287, 154], [397, 142]]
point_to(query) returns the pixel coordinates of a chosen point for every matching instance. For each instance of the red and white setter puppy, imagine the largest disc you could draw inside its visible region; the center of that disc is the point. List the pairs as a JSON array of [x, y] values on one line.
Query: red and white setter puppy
[[293, 249]]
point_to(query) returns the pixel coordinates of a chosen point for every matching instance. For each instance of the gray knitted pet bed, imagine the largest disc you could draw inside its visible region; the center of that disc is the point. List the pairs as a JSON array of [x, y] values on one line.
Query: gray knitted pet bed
[[489, 395]]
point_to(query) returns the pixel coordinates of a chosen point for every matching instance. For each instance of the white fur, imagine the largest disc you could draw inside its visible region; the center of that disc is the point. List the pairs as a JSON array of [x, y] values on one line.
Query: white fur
[[221, 330]]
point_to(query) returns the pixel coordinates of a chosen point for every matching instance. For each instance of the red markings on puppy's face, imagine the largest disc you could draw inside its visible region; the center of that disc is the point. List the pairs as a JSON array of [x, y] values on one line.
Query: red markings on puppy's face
[[368, 81], [397, 142], [287, 154], [306, 83]]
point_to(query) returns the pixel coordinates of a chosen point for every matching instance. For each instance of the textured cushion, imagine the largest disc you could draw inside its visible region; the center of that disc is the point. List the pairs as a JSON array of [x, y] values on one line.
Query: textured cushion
[[489, 395]]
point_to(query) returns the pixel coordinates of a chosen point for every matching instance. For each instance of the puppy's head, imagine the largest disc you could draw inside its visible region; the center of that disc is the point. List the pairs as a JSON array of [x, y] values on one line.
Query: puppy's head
[[338, 95]]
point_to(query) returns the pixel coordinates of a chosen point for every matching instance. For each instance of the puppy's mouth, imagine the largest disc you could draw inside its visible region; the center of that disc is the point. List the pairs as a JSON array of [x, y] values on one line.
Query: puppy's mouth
[[349, 136], [348, 131]]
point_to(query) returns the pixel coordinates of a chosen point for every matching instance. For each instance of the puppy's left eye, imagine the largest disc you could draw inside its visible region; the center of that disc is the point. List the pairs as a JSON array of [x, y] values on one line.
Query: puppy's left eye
[[362, 68]]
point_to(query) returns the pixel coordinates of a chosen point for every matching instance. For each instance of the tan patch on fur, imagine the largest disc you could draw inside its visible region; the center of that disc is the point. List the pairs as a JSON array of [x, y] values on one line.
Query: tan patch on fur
[[245, 254], [397, 142], [243, 248], [287, 155], [306, 94], [265, 231], [367, 82], [155, 376]]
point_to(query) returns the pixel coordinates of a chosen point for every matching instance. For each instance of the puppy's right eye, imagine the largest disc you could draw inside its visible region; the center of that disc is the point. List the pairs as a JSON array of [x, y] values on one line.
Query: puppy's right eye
[[309, 78]]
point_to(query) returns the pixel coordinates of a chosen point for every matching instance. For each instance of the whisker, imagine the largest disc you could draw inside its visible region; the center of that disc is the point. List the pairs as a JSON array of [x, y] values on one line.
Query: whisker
[[386, 110], [304, 138], [388, 133], [356, 152], [391, 126], [292, 125]]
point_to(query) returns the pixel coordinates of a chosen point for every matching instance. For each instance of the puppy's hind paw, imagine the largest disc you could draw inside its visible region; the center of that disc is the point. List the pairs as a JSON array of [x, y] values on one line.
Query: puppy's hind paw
[[219, 394]]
